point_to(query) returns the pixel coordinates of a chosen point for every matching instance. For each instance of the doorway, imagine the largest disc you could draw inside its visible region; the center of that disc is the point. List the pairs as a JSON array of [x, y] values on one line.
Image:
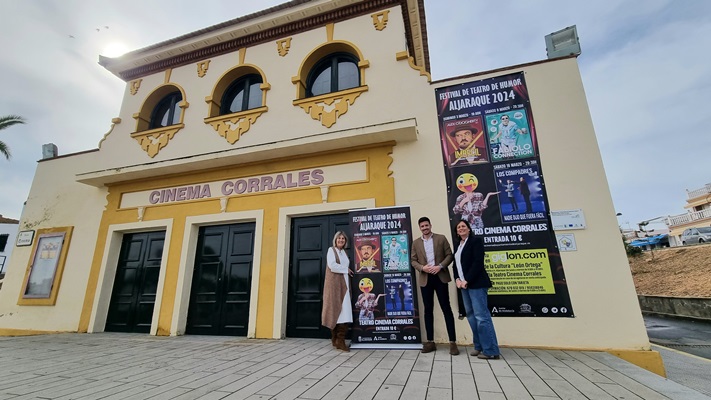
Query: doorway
[[134, 291], [310, 239], [222, 277]]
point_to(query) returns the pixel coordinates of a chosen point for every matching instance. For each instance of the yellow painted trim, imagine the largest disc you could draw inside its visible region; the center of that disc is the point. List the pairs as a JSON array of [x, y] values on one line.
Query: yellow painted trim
[[329, 32], [202, 68], [153, 140], [378, 186], [223, 82], [242, 54], [402, 55], [380, 20], [134, 86], [8, 332], [61, 261], [168, 72], [648, 359], [283, 46], [338, 102], [233, 126], [331, 46]]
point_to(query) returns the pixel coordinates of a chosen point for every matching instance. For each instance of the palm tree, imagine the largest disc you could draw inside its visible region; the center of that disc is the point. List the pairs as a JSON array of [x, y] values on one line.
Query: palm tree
[[6, 122]]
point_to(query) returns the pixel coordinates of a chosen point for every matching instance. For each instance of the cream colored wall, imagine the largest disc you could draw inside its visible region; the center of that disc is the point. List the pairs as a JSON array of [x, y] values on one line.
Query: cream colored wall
[[600, 284], [55, 200], [384, 102], [599, 279]]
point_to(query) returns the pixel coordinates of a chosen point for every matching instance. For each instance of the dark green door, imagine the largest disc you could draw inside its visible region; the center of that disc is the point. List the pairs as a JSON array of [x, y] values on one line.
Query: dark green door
[[310, 238], [136, 282], [222, 278]]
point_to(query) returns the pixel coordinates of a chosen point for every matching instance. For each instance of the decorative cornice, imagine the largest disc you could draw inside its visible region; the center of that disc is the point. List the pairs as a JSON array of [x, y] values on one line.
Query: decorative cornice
[[152, 141], [362, 8], [338, 102], [402, 55], [233, 126]]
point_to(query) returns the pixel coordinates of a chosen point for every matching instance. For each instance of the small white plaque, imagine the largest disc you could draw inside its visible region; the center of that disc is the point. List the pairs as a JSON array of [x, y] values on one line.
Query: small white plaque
[[566, 242], [24, 238], [568, 219]]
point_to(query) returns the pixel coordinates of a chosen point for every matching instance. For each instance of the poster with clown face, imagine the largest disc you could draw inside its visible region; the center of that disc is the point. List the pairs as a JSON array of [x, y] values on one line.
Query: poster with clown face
[[503, 196], [385, 313]]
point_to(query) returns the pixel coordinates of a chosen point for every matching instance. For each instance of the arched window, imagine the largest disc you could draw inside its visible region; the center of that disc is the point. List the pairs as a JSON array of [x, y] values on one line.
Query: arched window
[[167, 111], [333, 73], [243, 94]]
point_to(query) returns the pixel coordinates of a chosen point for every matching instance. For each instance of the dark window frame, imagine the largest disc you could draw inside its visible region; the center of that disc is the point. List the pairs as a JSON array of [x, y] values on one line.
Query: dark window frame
[[331, 61], [171, 100], [241, 84], [3, 241]]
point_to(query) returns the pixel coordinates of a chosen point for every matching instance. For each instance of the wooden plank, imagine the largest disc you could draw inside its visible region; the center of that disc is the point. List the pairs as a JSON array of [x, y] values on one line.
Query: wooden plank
[[583, 385], [400, 372], [485, 378], [438, 393], [513, 388], [341, 391], [327, 383], [371, 386], [441, 376], [533, 383], [416, 386], [464, 387]]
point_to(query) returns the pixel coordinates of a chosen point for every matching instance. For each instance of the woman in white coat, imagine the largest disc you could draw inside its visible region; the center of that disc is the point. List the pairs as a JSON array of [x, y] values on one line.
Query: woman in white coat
[[337, 313]]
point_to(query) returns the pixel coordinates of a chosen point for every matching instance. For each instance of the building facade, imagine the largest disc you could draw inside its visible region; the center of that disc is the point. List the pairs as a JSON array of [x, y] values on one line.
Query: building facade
[[698, 205], [8, 235], [235, 156]]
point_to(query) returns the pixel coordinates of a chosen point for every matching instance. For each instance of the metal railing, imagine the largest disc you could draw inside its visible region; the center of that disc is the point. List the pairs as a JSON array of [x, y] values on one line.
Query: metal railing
[[688, 218]]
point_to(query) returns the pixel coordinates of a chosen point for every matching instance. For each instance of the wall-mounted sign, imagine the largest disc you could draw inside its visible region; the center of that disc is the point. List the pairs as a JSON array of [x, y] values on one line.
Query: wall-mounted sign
[[568, 219], [25, 238], [258, 184]]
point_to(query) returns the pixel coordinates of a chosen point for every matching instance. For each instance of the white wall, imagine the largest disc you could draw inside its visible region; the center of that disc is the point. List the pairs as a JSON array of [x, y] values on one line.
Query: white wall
[[11, 231], [55, 200]]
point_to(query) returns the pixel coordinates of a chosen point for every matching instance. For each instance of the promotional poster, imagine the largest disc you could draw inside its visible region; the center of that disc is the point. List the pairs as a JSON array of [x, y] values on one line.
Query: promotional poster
[[495, 182], [383, 289]]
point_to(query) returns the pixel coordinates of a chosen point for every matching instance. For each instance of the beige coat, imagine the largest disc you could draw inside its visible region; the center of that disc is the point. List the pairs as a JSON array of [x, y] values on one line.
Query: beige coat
[[334, 289], [442, 254]]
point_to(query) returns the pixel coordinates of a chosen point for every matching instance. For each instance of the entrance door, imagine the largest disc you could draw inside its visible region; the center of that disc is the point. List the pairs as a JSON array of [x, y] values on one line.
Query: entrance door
[[310, 239], [222, 278], [134, 292]]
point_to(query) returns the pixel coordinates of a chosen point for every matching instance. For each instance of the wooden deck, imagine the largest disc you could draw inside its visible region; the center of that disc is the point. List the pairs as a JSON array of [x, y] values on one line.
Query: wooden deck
[[130, 366]]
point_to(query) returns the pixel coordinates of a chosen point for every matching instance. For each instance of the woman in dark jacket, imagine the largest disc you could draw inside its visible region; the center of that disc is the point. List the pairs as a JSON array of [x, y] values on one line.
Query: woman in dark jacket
[[471, 277]]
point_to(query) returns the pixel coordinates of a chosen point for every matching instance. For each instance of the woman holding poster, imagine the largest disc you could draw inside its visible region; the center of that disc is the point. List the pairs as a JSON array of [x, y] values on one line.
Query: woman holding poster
[[337, 312], [470, 276]]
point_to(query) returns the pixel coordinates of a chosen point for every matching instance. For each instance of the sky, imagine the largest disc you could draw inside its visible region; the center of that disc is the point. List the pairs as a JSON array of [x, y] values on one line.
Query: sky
[[643, 66]]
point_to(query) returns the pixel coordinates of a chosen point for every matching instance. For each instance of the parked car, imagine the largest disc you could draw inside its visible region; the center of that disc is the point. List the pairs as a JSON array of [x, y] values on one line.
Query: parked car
[[696, 235]]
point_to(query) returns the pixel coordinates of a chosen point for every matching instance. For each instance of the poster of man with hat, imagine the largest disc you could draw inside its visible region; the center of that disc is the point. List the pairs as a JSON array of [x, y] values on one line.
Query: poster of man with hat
[[367, 254], [465, 141]]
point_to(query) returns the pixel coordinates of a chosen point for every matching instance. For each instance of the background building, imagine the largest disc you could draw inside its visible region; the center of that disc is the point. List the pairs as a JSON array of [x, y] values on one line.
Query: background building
[[698, 205], [8, 234], [237, 152]]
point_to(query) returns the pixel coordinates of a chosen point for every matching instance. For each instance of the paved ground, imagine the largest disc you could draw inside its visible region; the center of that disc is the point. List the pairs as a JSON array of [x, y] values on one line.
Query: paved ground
[[689, 336], [124, 366]]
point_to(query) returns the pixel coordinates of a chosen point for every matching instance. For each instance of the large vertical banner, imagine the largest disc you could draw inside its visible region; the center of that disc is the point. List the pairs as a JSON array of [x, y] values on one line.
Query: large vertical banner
[[495, 182], [383, 288]]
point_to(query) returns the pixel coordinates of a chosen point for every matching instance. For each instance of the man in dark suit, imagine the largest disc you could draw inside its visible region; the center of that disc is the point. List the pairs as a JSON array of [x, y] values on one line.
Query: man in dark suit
[[431, 255]]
